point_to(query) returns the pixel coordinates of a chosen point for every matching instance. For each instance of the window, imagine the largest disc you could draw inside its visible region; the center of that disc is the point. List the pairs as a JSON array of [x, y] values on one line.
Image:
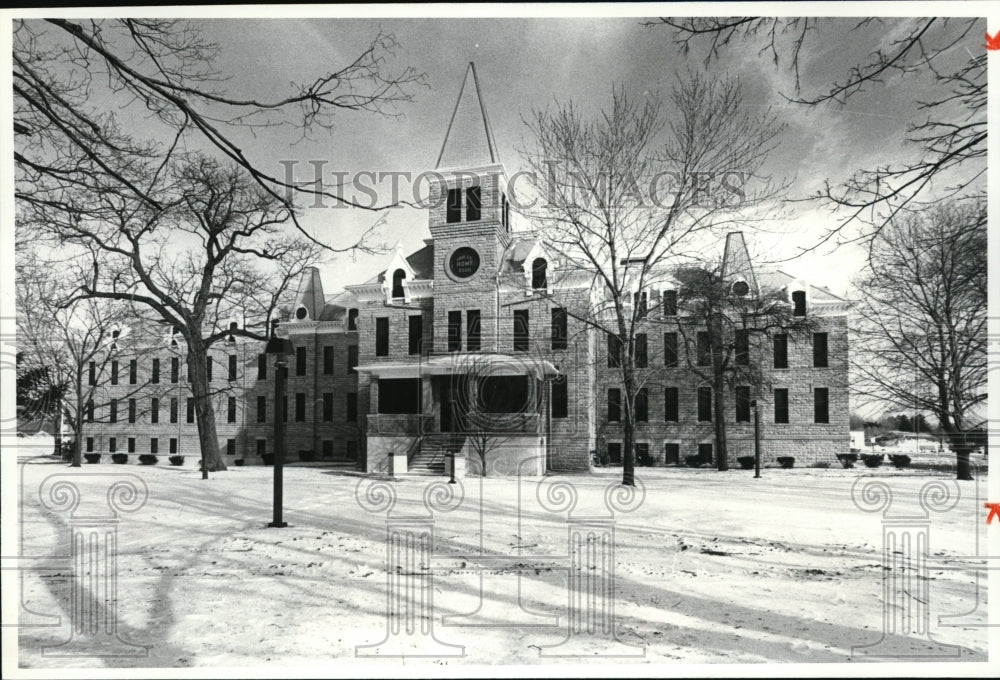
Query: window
[[539, 274], [156, 372], [641, 306], [614, 453], [352, 319], [92, 373], [231, 410], [670, 303], [781, 405], [671, 453], [704, 404], [300, 360], [352, 407], [261, 447], [112, 444], [821, 404], [799, 303], [232, 367], [399, 395], [90, 410], [233, 326], [614, 405], [521, 333], [327, 407], [173, 445], [819, 350], [473, 204], [328, 360], [114, 411], [230, 447], [327, 449], [90, 444], [174, 369], [642, 453], [614, 351], [641, 350], [704, 355], [670, 350], [208, 368], [642, 405], [131, 410], [560, 397], [382, 336], [189, 371], [560, 328], [454, 331], [416, 333], [473, 330], [261, 367], [705, 453], [190, 409], [781, 350], [130, 443], [261, 409], [300, 407], [670, 404], [352, 450], [352, 358], [454, 210], [114, 372], [133, 371], [154, 410], [505, 214], [742, 404], [397, 283], [742, 347], [173, 409], [154, 445]]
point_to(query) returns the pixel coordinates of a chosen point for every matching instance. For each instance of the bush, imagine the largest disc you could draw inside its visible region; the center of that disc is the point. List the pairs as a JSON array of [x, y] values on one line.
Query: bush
[[746, 462], [847, 459], [239, 462], [120, 458], [66, 449], [92, 457], [900, 460], [786, 461], [148, 459], [873, 460], [823, 464], [307, 456], [268, 458], [176, 459], [692, 461]]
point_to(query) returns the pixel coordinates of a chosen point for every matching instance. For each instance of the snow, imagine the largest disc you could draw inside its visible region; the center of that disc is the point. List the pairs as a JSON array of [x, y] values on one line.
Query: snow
[[710, 568]]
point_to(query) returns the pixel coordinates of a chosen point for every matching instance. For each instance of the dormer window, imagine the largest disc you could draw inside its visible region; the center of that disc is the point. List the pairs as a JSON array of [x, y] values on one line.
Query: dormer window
[[233, 326], [301, 313], [454, 211], [397, 283], [539, 274], [473, 204], [670, 303], [799, 303], [352, 319]]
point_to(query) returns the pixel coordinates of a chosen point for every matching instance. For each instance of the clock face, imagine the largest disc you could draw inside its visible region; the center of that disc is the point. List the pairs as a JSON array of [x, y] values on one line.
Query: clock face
[[464, 262]]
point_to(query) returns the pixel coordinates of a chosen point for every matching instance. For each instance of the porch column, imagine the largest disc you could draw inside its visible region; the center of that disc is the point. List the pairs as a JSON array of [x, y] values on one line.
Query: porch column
[[429, 422]]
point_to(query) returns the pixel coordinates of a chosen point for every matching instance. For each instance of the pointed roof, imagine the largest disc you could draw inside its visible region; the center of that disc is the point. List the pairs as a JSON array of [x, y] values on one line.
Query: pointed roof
[[736, 260], [310, 294], [469, 140]]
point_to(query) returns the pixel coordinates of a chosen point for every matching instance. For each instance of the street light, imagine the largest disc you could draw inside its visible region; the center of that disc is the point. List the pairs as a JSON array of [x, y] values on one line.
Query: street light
[[280, 348]]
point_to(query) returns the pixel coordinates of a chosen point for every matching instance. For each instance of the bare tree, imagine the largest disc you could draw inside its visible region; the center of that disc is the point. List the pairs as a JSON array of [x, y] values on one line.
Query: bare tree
[[633, 190], [211, 262], [950, 132], [920, 340], [70, 75], [724, 328]]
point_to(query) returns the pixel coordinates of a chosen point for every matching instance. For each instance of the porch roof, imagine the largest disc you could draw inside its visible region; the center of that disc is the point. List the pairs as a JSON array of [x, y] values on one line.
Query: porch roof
[[459, 363]]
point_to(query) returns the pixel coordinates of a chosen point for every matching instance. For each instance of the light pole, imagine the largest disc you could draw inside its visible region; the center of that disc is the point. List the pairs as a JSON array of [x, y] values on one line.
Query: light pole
[[281, 348], [756, 439]]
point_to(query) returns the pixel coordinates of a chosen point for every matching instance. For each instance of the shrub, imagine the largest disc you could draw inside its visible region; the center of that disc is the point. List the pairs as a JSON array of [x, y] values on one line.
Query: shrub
[[120, 458], [66, 449], [822, 464], [873, 460], [177, 459], [307, 456], [92, 457], [900, 460], [148, 459], [847, 459], [692, 461], [786, 461], [239, 462], [746, 462]]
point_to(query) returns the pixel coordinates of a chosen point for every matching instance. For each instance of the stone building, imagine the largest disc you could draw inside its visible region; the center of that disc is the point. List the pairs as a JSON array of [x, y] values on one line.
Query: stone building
[[476, 345]]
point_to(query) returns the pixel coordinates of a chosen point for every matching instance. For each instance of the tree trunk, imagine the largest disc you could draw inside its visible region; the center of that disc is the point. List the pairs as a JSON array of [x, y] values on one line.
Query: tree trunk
[[719, 406], [628, 445], [78, 420], [208, 439], [959, 443]]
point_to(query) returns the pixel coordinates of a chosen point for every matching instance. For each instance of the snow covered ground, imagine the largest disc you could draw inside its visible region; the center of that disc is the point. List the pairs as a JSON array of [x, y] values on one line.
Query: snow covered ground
[[710, 568]]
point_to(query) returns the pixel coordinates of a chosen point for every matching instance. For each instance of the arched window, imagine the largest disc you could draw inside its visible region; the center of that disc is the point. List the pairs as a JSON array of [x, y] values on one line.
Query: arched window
[[799, 303], [397, 283], [538, 273], [352, 319]]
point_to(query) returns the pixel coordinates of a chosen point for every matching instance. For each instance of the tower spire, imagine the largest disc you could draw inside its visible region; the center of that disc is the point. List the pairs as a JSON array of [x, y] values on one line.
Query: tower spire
[[468, 143]]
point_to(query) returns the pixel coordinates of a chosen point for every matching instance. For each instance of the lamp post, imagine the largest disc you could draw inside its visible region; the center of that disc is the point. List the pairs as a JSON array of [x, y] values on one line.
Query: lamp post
[[756, 439], [280, 348]]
